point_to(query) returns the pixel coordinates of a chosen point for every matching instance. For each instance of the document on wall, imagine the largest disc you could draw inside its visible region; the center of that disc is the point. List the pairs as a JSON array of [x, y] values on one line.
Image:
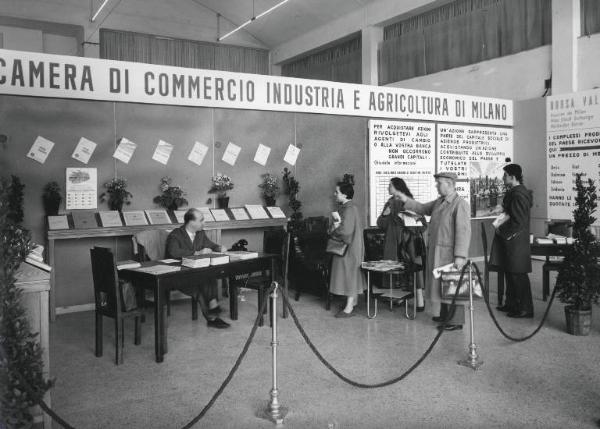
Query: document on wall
[[231, 153], [162, 153], [84, 150], [110, 218], [198, 153], [572, 146], [40, 149], [125, 150], [477, 155], [208, 217], [400, 149], [81, 188], [257, 211], [262, 154], [291, 155]]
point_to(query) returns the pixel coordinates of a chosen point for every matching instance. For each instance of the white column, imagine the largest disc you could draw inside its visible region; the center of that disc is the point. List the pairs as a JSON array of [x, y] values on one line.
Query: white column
[[371, 36], [566, 29]]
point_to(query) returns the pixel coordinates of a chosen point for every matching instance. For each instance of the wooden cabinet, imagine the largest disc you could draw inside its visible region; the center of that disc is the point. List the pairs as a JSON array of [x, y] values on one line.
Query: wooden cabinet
[[35, 285]]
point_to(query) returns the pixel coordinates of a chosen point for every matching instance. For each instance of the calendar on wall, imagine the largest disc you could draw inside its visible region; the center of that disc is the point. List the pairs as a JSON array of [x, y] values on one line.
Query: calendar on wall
[[81, 188]]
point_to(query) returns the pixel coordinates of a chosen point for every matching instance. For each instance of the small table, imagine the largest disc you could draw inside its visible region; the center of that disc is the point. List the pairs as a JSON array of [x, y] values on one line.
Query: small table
[[161, 283], [390, 268]]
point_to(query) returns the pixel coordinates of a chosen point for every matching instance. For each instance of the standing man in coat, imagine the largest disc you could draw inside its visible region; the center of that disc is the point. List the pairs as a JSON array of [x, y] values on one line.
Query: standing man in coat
[[510, 248], [448, 241]]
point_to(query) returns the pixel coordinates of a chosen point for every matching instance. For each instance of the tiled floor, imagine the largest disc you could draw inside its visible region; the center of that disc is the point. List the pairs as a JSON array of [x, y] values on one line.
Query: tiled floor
[[550, 381]]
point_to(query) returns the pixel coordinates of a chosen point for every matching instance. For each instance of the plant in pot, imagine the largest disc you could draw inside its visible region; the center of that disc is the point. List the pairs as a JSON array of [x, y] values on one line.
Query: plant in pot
[[578, 280], [291, 188], [116, 193], [220, 185], [51, 198], [172, 196], [270, 188]]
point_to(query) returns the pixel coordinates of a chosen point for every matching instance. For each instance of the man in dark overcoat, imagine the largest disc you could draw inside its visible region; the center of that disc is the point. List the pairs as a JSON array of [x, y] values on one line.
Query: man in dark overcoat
[[510, 248]]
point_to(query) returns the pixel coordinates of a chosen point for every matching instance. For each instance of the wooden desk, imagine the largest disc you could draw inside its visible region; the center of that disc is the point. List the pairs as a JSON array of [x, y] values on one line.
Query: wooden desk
[[35, 285], [160, 284], [124, 231]]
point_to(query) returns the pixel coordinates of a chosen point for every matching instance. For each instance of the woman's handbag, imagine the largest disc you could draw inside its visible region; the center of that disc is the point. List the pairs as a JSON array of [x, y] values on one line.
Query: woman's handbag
[[336, 247], [449, 280]]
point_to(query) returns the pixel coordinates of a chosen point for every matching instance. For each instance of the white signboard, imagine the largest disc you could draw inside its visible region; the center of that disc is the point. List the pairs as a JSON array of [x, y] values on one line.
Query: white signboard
[[59, 76], [573, 146], [400, 149]]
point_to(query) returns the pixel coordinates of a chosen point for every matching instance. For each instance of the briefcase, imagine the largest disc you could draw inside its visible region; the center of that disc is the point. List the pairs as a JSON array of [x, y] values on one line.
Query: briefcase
[[336, 247]]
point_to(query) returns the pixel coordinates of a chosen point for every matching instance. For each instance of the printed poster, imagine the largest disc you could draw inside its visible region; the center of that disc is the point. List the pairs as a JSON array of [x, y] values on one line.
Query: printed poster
[[81, 188], [40, 149], [84, 150]]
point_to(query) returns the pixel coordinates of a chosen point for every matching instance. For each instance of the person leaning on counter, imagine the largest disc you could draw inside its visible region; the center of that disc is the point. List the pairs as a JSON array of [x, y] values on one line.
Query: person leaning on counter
[[448, 241], [190, 239]]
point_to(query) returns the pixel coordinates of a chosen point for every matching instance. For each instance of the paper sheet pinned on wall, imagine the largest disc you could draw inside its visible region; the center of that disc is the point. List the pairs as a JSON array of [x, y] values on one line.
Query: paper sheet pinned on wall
[[162, 153], [84, 150], [231, 153], [198, 153], [40, 149], [125, 150], [291, 155], [262, 154]]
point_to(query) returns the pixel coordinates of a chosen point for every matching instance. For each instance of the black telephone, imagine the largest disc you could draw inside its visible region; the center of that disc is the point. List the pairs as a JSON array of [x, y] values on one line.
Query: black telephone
[[240, 245]]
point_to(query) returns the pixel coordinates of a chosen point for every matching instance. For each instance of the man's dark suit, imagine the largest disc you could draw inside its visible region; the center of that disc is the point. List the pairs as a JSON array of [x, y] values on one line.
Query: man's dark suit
[[178, 245]]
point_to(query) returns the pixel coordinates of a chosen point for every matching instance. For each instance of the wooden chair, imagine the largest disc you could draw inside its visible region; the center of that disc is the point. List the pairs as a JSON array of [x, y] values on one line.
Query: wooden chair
[[108, 296], [274, 241], [563, 228], [311, 262], [493, 268]]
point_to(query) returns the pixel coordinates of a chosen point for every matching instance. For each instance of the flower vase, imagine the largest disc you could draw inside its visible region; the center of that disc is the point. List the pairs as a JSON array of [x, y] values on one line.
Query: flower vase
[[116, 205], [269, 201], [222, 202]]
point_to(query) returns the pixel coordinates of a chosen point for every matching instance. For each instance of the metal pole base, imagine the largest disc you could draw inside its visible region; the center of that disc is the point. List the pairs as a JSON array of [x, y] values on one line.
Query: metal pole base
[[472, 361], [274, 416]]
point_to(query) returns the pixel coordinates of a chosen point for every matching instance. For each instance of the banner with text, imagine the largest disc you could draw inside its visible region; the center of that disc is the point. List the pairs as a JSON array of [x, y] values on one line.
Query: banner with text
[[573, 146], [58, 76]]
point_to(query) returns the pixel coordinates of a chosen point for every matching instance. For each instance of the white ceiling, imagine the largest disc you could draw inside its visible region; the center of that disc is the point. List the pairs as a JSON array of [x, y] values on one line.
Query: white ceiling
[[294, 18]]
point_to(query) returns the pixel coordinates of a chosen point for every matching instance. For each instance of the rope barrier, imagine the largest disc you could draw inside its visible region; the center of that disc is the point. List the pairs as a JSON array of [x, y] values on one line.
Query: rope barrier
[[493, 316], [39, 400], [341, 376]]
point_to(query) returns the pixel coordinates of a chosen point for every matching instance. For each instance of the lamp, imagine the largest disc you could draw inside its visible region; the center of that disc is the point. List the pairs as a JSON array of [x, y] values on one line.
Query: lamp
[[254, 18], [95, 15]]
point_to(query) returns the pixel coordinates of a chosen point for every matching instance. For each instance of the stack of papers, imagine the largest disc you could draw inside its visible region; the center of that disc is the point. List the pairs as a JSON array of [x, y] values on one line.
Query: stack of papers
[[218, 258], [128, 264], [36, 258], [238, 255], [383, 265], [541, 240], [196, 261], [158, 269], [558, 239]]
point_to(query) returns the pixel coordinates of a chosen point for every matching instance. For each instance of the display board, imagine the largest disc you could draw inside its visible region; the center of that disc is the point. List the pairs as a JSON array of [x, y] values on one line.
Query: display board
[[573, 146], [414, 151]]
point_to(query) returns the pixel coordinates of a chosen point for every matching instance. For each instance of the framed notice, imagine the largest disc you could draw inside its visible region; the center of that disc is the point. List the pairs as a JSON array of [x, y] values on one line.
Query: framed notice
[[208, 217], [239, 213], [158, 217], [276, 212], [572, 146], [179, 215], [84, 219], [220, 215], [81, 188], [400, 149], [257, 211], [135, 217], [110, 218], [58, 222]]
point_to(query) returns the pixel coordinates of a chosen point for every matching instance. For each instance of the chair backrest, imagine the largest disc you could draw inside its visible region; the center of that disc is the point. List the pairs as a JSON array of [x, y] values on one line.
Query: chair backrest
[[484, 243], [151, 244], [278, 241], [374, 239], [316, 224], [106, 281]]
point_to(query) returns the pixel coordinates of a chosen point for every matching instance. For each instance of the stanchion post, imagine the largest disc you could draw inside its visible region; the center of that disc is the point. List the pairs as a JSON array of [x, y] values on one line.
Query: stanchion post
[[274, 411], [472, 361]]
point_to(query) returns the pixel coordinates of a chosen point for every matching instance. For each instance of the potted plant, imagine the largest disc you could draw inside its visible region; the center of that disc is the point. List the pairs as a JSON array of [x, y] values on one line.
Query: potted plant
[[220, 185], [51, 198], [172, 197], [116, 193], [270, 188], [578, 280], [291, 189]]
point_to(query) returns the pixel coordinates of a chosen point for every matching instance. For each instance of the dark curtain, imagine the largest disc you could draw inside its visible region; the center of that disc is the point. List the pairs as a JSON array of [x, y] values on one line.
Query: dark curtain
[[339, 63], [461, 33], [146, 48], [590, 17]]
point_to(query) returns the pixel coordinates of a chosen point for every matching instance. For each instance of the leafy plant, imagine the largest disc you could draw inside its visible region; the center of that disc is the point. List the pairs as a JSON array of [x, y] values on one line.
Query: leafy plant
[[221, 183], [51, 197], [21, 354], [116, 193], [269, 186], [578, 281], [291, 189], [172, 197]]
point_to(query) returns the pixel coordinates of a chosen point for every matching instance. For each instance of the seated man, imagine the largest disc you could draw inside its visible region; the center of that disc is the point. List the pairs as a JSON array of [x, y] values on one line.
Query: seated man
[[190, 239]]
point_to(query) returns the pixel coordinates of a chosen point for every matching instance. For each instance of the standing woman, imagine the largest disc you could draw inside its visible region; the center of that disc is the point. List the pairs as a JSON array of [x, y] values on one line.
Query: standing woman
[[346, 275], [401, 244]]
